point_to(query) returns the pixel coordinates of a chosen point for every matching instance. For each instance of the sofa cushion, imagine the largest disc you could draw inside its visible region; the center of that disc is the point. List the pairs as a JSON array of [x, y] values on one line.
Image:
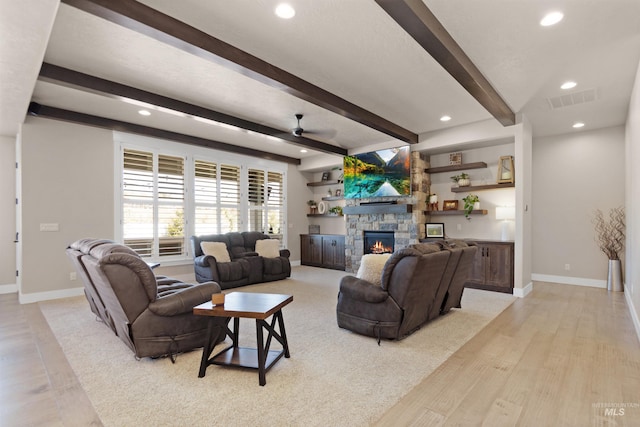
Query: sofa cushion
[[371, 266], [218, 250], [268, 248]]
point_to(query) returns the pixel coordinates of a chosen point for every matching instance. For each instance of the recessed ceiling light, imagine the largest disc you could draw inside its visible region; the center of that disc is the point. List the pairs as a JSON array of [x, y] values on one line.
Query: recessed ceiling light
[[568, 85], [578, 125], [144, 113], [303, 151], [285, 11], [445, 118], [551, 18]]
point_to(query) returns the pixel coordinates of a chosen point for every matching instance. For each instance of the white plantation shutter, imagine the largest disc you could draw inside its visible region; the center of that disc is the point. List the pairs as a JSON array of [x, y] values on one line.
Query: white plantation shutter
[[229, 198], [138, 206], [153, 203], [275, 202], [266, 201], [206, 198], [170, 205]]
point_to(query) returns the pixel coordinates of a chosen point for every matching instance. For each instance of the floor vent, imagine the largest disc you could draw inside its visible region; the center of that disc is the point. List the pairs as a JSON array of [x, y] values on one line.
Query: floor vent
[[574, 98]]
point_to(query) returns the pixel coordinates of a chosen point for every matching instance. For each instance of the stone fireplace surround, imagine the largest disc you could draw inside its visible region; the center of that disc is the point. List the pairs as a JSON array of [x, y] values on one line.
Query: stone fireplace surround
[[406, 218]]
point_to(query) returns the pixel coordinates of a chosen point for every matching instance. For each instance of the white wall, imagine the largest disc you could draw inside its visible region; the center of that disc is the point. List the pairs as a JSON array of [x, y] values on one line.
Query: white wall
[[7, 214], [632, 196], [573, 174], [67, 179]]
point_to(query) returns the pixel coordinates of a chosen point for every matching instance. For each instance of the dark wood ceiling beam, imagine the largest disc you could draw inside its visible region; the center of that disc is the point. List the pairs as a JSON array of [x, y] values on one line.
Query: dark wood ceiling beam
[[116, 125], [417, 20], [76, 80], [166, 29]]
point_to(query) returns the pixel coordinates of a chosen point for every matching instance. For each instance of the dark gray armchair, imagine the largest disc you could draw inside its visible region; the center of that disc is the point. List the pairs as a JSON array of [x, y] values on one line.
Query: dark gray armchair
[[154, 317]]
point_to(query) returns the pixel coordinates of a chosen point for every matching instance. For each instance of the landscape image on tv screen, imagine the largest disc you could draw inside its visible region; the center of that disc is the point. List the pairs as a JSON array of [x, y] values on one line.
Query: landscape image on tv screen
[[381, 173]]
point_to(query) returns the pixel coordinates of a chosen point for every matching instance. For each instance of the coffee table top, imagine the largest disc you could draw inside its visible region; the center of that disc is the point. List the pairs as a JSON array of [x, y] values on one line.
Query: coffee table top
[[245, 304]]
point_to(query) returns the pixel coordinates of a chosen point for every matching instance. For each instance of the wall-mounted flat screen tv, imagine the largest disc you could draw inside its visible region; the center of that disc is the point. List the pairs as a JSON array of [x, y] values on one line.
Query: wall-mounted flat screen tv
[[382, 173]]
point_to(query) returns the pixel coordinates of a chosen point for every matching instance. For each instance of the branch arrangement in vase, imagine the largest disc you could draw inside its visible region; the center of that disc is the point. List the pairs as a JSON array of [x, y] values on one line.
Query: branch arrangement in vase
[[610, 234]]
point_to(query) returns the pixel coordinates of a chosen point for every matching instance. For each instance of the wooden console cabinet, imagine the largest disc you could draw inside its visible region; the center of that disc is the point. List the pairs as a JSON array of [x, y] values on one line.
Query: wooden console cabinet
[[322, 250], [492, 268]]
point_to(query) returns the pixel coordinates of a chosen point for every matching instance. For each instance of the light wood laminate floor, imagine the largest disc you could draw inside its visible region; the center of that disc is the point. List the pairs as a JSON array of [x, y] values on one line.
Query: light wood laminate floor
[[562, 356]]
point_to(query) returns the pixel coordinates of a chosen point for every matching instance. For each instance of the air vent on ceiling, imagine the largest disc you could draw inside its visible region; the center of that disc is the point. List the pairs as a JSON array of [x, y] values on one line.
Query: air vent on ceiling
[[588, 95]]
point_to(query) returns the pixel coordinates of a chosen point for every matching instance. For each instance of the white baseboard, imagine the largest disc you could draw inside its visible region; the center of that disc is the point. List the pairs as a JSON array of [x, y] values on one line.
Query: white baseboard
[[295, 263], [565, 280], [8, 289], [45, 296], [634, 313], [523, 292]]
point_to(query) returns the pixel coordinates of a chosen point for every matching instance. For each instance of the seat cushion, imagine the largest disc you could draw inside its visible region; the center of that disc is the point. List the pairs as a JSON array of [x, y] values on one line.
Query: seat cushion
[[371, 266], [268, 248], [218, 250]]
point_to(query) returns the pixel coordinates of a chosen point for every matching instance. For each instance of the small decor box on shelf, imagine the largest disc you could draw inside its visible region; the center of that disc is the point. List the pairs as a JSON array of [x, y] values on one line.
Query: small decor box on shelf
[[450, 205], [314, 229]]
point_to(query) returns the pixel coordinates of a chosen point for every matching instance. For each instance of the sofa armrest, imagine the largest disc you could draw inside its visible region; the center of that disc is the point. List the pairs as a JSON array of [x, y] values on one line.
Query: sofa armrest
[[184, 300], [205, 260], [358, 289], [285, 253]]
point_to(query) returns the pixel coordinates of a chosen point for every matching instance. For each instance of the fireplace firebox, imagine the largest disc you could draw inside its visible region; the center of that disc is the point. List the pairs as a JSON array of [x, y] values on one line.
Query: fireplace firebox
[[378, 242]]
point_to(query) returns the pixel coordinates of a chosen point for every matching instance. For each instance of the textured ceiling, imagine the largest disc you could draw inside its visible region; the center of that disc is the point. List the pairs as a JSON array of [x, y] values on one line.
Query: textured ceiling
[[350, 48]]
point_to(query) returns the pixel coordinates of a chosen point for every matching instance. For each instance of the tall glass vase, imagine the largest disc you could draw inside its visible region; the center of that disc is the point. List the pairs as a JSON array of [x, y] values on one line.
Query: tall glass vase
[[614, 278]]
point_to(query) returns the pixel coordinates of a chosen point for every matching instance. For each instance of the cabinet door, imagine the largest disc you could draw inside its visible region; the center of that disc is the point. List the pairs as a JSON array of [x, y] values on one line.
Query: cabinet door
[[477, 276], [310, 250], [499, 268], [333, 252]]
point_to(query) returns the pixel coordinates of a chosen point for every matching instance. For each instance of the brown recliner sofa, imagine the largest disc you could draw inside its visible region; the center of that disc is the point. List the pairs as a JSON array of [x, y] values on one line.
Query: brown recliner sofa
[[419, 283], [246, 266], [152, 315]]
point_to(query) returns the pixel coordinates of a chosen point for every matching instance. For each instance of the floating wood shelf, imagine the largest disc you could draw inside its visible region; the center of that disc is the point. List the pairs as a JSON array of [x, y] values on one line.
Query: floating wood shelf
[[377, 209], [326, 215], [457, 212], [332, 198], [318, 184], [470, 188], [453, 168]]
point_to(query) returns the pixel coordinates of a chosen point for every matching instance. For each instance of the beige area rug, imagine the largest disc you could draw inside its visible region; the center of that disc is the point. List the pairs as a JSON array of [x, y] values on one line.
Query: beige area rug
[[334, 377]]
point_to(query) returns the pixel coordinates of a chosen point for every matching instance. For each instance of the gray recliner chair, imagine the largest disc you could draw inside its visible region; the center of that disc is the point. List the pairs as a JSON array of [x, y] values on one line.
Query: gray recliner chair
[[153, 317], [410, 282]]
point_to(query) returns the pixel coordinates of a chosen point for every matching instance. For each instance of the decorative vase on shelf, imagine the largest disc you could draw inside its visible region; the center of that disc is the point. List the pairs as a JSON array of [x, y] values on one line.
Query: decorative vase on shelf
[[464, 182], [476, 206]]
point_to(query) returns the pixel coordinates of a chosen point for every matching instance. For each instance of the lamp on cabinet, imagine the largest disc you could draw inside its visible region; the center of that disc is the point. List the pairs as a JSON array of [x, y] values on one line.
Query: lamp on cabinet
[[505, 214]]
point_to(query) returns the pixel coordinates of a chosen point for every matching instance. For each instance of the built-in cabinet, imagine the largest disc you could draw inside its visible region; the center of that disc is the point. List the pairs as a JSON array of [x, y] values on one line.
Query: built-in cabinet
[[492, 267], [322, 250]]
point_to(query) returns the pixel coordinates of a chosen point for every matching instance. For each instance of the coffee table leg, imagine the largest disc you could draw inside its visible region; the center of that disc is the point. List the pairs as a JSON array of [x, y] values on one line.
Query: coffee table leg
[[283, 334], [262, 375], [207, 349]]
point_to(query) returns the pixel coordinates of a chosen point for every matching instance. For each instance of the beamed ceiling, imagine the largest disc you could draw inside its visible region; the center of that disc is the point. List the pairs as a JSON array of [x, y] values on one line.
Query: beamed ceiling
[[232, 76]]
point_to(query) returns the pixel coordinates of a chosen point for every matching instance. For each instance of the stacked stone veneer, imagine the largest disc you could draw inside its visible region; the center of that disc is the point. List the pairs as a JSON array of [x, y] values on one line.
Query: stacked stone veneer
[[408, 228]]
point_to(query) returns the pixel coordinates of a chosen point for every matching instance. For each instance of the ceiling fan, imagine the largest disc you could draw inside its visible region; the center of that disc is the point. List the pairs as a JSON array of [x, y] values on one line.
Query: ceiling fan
[[298, 131]]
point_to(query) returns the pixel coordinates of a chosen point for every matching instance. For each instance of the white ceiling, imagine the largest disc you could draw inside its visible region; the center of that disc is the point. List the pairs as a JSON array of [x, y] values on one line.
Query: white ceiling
[[350, 48]]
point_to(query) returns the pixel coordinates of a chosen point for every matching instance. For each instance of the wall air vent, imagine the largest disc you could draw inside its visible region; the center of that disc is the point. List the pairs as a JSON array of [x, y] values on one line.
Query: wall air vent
[[575, 98]]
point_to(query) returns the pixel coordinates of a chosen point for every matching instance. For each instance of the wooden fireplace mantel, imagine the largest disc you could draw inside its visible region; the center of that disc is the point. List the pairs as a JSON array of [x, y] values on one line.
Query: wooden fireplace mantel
[[377, 209]]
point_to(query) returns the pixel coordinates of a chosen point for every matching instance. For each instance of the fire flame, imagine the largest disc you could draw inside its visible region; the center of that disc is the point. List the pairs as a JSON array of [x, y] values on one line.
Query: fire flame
[[379, 248]]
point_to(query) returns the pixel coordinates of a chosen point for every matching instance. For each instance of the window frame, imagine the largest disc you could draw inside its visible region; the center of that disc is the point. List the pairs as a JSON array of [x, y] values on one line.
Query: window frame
[[192, 153]]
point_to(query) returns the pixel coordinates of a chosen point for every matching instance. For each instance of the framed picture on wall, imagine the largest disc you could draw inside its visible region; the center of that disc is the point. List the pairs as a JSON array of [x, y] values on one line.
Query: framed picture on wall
[[434, 230], [325, 176]]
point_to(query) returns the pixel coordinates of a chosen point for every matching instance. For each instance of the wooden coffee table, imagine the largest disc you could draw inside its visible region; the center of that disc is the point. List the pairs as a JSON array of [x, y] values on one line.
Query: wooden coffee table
[[248, 305]]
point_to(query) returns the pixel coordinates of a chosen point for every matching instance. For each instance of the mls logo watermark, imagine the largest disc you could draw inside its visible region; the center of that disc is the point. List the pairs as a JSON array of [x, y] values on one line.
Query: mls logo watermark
[[614, 409]]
